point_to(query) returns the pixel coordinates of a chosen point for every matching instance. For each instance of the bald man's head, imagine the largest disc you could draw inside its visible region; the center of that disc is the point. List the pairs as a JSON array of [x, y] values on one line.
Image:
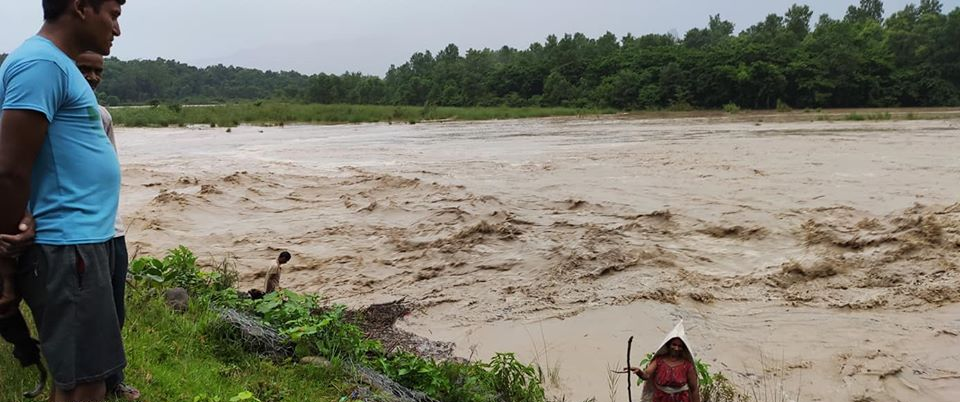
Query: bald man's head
[[91, 65]]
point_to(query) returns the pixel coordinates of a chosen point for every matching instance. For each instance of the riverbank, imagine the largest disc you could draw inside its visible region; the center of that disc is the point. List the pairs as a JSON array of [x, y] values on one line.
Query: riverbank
[[279, 114]]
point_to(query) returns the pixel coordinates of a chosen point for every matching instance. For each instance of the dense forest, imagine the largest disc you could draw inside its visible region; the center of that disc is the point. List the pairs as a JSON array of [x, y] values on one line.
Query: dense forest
[[911, 58]]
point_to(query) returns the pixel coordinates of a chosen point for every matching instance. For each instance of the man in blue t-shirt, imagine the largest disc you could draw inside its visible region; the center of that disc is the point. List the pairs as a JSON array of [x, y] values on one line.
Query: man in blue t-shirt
[[55, 158]]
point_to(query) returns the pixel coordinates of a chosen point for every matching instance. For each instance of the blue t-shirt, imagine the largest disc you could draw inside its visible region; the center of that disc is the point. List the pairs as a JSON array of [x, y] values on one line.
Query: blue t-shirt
[[75, 182]]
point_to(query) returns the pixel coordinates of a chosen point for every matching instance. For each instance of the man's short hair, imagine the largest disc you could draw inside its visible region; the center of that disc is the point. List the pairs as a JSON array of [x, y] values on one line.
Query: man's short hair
[[285, 255], [53, 9]]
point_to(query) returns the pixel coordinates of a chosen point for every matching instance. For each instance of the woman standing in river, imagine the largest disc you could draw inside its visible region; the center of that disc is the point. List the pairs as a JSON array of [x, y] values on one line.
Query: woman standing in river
[[671, 376]]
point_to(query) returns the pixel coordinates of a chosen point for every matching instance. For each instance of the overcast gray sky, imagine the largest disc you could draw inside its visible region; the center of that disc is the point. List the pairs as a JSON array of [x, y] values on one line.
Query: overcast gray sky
[[314, 36]]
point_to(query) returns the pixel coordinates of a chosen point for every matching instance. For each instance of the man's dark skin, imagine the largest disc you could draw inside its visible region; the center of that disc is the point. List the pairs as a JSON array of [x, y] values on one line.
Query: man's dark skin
[[91, 66], [22, 133], [11, 246]]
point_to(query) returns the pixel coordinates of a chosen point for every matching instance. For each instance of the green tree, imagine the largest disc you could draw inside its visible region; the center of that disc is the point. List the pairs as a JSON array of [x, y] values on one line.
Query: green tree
[[557, 90]]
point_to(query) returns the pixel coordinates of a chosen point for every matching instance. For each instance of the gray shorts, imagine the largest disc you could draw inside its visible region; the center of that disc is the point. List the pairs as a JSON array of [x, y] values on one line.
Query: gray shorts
[[70, 293]]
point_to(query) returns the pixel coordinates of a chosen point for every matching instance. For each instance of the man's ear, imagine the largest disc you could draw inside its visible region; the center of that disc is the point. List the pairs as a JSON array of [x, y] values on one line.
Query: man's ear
[[78, 8]]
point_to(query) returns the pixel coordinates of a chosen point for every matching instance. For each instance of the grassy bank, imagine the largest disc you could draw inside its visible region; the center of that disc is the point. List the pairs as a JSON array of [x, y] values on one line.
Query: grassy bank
[[201, 357], [273, 113], [170, 358]]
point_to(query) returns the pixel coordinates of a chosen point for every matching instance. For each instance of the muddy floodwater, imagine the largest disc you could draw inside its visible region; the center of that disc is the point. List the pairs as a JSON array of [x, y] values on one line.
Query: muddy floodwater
[[818, 258]]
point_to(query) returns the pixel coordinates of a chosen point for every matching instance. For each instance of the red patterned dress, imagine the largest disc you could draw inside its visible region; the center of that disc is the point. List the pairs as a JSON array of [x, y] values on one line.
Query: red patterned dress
[[671, 377]]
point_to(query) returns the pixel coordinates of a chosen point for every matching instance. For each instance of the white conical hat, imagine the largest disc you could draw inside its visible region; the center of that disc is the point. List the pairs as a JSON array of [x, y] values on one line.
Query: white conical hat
[[677, 332]]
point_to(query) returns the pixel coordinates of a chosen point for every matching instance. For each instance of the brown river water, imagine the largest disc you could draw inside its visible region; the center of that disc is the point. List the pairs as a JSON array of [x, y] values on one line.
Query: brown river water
[[810, 258]]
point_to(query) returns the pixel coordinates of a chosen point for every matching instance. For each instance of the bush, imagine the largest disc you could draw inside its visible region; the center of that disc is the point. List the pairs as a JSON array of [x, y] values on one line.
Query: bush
[[783, 106], [504, 378], [731, 108], [515, 381], [179, 269], [681, 106], [870, 116], [720, 389]]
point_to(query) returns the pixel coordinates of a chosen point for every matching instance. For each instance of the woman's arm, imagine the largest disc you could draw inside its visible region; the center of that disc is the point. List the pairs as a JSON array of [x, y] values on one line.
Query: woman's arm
[[648, 373], [693, 380]]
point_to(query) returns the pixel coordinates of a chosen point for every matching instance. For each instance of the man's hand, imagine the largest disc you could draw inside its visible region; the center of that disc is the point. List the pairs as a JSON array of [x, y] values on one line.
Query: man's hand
[[11, 246], [9, 299]]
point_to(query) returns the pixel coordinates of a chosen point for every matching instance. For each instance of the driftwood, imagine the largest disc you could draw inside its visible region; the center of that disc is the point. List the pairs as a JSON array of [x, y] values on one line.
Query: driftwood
[[629, 385]]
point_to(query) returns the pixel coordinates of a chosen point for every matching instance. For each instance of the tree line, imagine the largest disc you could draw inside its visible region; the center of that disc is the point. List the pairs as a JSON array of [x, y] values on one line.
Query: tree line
[[911, 58]]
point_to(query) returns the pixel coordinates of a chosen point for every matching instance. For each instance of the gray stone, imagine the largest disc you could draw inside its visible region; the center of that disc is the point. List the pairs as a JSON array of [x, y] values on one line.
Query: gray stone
[[177, 299]]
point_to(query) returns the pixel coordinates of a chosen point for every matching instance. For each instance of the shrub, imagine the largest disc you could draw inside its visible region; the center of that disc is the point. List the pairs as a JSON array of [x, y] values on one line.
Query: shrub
[[720, 389], [783, 106], [515, 381], [179, 269]]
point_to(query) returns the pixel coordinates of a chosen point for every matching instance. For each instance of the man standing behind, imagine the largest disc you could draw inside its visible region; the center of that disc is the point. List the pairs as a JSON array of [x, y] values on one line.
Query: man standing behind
[[55, 155], [273, 274], [91, 66]]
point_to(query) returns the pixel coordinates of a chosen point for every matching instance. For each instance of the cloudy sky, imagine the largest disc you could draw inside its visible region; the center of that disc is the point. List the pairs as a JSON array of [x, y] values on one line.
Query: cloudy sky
[[368, 35]]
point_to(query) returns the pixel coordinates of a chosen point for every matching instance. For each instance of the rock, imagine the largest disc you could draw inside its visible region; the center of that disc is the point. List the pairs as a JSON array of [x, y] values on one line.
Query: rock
[[316, 361], [177, 299]]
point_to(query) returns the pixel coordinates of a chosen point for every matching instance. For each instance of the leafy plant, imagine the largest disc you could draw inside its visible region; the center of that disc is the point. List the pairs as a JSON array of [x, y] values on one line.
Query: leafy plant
[[179, 269], [515, 381], [720, 390], [244, 396], [410, 370]]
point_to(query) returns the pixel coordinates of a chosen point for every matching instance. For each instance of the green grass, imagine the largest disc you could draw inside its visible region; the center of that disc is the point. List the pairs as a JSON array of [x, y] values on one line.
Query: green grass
[[268, 113], [170, 359], [275, 113], [871, 116], [13, 379]]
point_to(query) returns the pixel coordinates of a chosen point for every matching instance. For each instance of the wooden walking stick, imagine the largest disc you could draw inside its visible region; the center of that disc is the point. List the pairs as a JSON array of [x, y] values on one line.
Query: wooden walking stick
[[629, 385]]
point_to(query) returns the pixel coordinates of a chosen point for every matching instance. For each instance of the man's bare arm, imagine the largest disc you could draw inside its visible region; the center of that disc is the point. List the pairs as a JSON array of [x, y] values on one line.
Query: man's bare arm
[[22, 133], [11, 246]]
